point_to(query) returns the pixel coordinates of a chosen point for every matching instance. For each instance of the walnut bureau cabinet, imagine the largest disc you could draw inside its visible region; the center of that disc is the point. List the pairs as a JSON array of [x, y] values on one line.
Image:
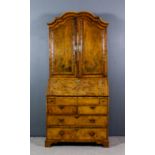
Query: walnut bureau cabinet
[[77, 95]]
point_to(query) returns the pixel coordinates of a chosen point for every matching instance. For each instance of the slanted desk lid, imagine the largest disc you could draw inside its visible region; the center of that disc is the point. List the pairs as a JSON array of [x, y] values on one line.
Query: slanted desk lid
[[78, 87]]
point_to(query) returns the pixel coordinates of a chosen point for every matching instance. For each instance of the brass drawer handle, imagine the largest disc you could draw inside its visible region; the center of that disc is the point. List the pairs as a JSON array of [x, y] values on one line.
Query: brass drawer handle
[[92, 107], [76, 116], [50, 101], [61, 132], [92, 133], [61, 120], [104, 102], [61, 107], [92, 120]]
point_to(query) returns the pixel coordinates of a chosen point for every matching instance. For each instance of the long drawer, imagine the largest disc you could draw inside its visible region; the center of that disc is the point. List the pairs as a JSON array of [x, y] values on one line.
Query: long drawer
[[76, 133], [77, 121]]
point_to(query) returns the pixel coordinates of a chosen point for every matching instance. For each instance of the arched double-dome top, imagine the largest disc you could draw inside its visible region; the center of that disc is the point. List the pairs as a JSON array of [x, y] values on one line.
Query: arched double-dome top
[[61, 19]]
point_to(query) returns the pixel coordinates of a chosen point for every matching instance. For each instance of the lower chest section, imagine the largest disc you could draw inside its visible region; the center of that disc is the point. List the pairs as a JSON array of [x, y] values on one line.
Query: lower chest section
[[80, 118]]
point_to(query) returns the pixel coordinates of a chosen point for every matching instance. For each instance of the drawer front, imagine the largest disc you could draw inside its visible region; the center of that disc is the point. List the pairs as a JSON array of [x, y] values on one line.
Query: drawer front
[[104, 101], [77, 121], [66, 100], [92, 121], [90, 133], [60, 133], [92, 109], [62, 100], [60, 120], [76, 133], [60, 109], [50, 100], [88, 100]]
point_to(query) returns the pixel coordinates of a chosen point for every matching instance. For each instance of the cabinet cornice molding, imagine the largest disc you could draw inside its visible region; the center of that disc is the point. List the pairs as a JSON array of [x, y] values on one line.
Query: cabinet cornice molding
[[64, 16]]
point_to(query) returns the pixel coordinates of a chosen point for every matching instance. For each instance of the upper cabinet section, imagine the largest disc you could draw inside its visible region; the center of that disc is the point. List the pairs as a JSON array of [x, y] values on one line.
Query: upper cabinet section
[[77, 44]]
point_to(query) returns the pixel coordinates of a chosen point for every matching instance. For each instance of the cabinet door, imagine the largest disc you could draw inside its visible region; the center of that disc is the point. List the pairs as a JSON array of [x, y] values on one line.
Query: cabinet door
[[62, 54], [92, 48]]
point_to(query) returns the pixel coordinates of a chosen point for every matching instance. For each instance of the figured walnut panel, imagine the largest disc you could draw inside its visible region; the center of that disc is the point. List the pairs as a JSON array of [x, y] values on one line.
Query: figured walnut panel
[[93, 49], [62, 87], [78, 87], [92, 87], [62, 55]]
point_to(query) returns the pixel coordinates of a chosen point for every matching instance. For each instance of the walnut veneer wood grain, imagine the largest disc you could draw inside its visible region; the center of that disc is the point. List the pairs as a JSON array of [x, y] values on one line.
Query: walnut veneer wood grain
[[78, 92], [77, 133], [78, 86], [77, 121]]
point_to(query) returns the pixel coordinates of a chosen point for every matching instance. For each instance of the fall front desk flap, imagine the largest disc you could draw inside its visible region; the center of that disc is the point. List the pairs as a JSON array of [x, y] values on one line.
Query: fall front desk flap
[[78, 87]]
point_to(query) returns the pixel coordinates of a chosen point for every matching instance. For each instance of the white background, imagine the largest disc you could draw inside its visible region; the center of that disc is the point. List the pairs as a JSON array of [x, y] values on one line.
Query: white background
[[15, 77]]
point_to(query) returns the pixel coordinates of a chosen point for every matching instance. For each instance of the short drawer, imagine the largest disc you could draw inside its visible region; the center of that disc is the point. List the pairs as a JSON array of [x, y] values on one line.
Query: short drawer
[[92, 133], [101, 121], [60, 109], [88, 101], [92, 109], [66, 100], [77, 133], [62, 100], [56, 120], [93, 121], [50, 100], [60, 133]]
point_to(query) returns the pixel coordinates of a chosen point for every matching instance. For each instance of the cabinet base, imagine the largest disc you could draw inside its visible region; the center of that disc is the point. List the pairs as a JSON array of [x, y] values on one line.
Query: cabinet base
[[49, 143]]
